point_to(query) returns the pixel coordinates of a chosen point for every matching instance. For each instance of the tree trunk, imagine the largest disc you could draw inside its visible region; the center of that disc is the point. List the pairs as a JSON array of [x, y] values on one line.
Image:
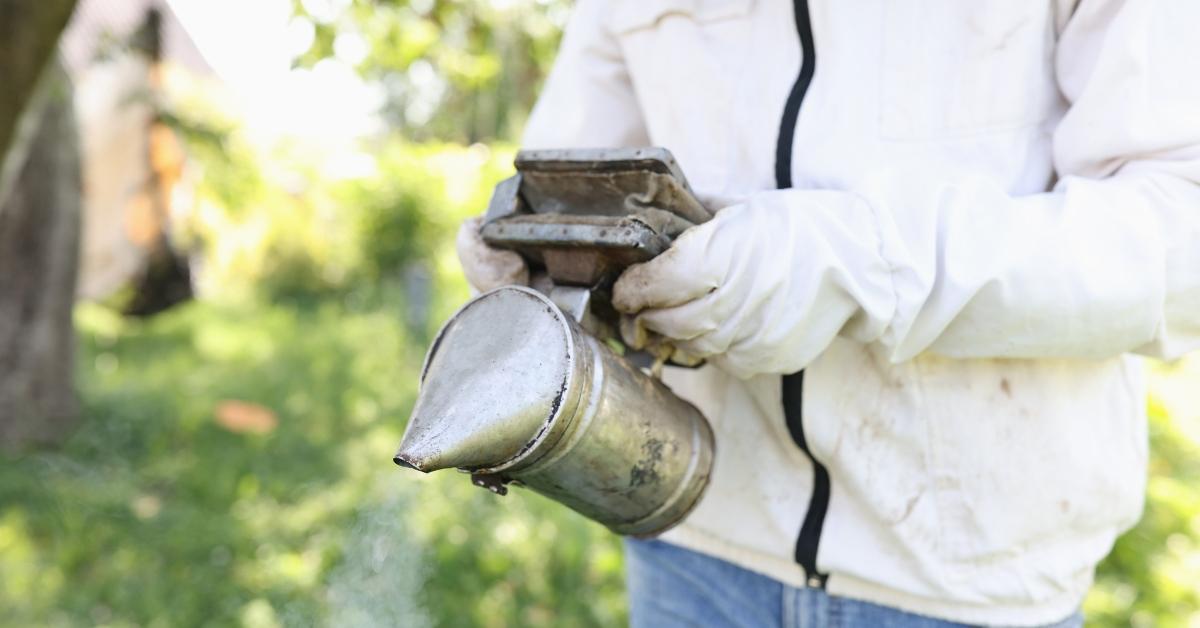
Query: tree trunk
[[39, 249], [29, 31]]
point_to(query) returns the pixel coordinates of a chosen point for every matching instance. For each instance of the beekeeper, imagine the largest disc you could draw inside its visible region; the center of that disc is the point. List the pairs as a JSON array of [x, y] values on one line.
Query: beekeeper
[[946, 230]]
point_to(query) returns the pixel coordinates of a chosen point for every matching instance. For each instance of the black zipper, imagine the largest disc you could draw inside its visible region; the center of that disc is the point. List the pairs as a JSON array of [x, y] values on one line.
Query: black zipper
[[791, 109], [809, 538]]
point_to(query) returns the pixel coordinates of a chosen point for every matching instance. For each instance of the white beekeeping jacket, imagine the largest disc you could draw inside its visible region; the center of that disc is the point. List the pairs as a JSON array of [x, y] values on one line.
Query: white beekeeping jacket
[[1016, 184]]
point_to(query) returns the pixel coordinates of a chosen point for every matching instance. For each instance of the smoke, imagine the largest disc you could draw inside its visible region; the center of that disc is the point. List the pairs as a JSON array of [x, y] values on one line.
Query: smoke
[[383, 569]]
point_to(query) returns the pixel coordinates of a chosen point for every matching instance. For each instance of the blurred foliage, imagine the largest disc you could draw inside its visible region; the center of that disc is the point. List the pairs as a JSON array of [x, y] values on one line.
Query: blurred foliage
[[1152, 577], [304, 237], [457, 70], [415, 203]]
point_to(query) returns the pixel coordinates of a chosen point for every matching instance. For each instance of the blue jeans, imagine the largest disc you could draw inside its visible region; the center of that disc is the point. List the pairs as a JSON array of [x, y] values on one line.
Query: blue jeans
[[672, 586]]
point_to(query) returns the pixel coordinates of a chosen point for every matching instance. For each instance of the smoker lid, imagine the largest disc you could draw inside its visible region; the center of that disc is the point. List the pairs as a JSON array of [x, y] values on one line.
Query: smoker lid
[[492, 382]]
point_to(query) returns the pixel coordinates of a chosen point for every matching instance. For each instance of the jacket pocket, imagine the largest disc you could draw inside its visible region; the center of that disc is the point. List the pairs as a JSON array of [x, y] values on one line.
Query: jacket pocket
[[952, 68]]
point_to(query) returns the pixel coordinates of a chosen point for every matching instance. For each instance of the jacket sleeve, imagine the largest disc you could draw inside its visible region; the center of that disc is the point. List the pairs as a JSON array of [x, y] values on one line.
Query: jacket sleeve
[[1106, 262], [588, 100]]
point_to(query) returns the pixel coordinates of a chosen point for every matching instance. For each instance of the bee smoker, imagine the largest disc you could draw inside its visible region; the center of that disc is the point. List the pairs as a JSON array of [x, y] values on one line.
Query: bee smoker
[[526, 386]]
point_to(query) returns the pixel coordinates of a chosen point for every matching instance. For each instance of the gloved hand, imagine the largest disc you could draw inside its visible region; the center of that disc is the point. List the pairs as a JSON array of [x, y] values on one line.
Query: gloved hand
[[766, 285], [486, 267]]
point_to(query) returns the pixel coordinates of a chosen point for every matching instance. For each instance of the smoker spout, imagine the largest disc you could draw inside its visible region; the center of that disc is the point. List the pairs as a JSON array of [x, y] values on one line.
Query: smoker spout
[[400, 461], [492, 383], [422, 454]]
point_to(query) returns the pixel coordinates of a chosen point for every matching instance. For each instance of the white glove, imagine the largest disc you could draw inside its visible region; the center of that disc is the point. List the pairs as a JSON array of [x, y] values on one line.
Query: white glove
[[486, 267], [765, 286]]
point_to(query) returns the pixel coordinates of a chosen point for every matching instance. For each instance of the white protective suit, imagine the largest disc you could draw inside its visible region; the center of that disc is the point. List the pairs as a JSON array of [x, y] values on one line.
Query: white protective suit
[[992, 203]]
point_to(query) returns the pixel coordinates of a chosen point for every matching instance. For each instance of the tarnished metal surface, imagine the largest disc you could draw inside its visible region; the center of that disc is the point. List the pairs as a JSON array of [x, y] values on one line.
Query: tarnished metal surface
[[606, 181], [494, 373], [578, 250], [515, 390], [518, 387], [586, 214]]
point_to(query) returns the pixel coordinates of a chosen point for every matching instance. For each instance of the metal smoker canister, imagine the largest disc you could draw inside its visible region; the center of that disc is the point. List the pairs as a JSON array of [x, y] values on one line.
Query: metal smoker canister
[[513, 390]]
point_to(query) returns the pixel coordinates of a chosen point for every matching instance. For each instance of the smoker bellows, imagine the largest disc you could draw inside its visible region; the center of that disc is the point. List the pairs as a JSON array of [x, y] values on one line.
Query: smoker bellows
[[520, 387]]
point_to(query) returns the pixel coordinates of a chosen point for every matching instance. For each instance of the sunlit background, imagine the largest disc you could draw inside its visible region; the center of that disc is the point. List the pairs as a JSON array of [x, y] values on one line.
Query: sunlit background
[[298, 169]]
